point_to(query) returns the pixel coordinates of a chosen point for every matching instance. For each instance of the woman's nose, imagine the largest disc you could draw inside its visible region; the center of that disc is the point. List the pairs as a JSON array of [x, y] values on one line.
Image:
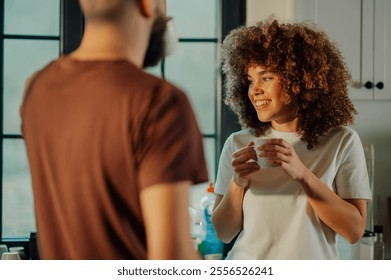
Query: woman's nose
[[256, 89]]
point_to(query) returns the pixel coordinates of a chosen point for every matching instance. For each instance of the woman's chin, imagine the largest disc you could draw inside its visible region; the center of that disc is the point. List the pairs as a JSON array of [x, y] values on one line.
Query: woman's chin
[[263, 118]]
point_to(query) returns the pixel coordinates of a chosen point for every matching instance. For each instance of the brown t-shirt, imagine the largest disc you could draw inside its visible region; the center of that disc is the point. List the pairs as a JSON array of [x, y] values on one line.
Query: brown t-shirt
[[97, 132]]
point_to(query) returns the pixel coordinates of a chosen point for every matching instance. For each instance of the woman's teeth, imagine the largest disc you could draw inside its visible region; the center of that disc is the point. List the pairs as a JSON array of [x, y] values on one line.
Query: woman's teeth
[[261, 103]]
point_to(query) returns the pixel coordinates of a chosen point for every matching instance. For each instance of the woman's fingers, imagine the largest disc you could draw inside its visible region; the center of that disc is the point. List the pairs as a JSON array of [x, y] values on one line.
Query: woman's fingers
[[245, 150], [244, 155], [244, 163], [244, 158], [246, 172]]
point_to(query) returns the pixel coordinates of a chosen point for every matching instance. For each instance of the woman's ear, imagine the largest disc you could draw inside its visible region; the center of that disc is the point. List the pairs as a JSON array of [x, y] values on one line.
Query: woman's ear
[[145, 7]]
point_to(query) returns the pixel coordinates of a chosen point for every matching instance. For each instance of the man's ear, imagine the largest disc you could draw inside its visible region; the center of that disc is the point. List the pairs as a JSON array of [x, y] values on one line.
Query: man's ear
[[145, 7]]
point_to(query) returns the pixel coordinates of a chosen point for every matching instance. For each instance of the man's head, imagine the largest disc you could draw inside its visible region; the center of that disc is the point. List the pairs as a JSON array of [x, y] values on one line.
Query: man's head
[[103, 10], [125, 13]]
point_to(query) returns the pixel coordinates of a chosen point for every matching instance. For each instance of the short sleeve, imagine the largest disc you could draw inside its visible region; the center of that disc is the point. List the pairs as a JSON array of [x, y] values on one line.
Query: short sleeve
[[26, 91], [171, 148], [352, 176], [225, 170]]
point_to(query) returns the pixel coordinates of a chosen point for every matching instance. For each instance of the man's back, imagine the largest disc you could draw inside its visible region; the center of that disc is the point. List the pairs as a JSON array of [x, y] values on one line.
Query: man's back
[[97, 133]]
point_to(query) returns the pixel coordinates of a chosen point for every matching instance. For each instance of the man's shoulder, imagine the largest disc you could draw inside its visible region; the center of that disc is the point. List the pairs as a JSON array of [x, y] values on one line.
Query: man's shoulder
[[145, 80]]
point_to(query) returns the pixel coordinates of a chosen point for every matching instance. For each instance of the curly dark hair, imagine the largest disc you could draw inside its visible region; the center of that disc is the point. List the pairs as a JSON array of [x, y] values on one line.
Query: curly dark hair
[[312, 72]]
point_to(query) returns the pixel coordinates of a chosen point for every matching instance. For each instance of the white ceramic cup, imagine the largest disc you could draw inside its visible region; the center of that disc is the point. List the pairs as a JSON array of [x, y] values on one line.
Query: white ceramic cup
[[263, 162], [10, 256], [3, 249], [19, 250]]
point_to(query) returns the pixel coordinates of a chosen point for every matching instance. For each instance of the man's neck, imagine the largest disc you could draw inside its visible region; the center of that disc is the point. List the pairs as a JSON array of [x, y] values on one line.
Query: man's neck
[[112, 42]]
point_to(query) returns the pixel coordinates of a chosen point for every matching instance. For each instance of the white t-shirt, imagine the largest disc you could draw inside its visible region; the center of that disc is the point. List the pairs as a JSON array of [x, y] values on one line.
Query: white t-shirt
[[278, 222]]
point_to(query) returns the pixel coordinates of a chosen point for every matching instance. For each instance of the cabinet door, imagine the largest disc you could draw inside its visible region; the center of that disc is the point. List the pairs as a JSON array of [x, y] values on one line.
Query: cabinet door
[[382, 69], [349, 23]]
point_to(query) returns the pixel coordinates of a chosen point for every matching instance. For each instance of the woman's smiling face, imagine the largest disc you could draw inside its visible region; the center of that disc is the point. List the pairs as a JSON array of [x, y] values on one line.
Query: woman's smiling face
[[265, 93]]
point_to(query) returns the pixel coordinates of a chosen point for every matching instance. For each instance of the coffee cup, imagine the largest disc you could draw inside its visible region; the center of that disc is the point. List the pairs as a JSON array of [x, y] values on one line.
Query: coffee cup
[[19, 250], [263, 162], [10, 256]]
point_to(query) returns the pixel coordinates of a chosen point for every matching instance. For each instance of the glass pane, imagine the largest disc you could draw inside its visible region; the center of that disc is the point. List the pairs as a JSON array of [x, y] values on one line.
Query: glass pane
[[18, 207], [194, 19], [193, 69], [32, 17], [210, 156], [21, 59]]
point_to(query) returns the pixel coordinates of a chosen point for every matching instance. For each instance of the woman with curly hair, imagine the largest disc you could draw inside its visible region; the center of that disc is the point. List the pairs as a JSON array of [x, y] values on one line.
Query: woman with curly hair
[[288, 83]]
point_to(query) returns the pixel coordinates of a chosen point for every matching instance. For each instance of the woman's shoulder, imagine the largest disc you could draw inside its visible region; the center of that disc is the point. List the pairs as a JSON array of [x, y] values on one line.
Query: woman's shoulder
[[245, 131], [241, 138], [342, 131], [342, 134]]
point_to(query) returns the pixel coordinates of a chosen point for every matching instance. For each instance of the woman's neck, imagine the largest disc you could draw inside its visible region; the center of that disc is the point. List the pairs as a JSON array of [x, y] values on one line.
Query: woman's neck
[[287, 126]]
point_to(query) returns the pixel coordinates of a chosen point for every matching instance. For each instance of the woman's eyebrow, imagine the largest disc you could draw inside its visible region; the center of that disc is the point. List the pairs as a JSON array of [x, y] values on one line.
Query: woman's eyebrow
[[263, 72]]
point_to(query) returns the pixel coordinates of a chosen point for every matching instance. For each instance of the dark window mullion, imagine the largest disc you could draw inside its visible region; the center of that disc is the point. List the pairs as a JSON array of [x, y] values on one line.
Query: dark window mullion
[[198, 40], [12, 136], [1, 112], [209, 135], [31, 37], [233, 16]]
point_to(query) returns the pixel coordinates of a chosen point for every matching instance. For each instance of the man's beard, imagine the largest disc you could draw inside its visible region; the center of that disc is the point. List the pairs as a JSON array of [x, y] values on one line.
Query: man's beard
[[156, 46]]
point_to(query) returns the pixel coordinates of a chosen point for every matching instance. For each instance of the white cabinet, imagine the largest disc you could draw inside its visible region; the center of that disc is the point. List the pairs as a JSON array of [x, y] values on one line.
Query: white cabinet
[[362, 31]]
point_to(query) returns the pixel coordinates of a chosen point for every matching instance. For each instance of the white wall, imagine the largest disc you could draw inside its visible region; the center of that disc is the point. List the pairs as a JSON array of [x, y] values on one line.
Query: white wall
[[373, 122], [262, 9]]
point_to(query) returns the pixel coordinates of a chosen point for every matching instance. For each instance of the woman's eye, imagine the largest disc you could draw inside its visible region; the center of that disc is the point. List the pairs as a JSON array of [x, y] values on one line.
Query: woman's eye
[[267, 79]]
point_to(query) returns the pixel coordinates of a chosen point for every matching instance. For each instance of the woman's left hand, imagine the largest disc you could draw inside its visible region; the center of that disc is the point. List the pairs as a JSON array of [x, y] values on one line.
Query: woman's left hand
[[281, 153]]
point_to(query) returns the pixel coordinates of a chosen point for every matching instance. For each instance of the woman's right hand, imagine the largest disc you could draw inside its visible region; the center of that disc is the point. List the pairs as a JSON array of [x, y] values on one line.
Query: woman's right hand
[[244, 163]]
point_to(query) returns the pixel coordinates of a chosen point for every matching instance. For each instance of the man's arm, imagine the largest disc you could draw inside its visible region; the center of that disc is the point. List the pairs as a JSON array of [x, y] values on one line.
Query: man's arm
[[165, 209]]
